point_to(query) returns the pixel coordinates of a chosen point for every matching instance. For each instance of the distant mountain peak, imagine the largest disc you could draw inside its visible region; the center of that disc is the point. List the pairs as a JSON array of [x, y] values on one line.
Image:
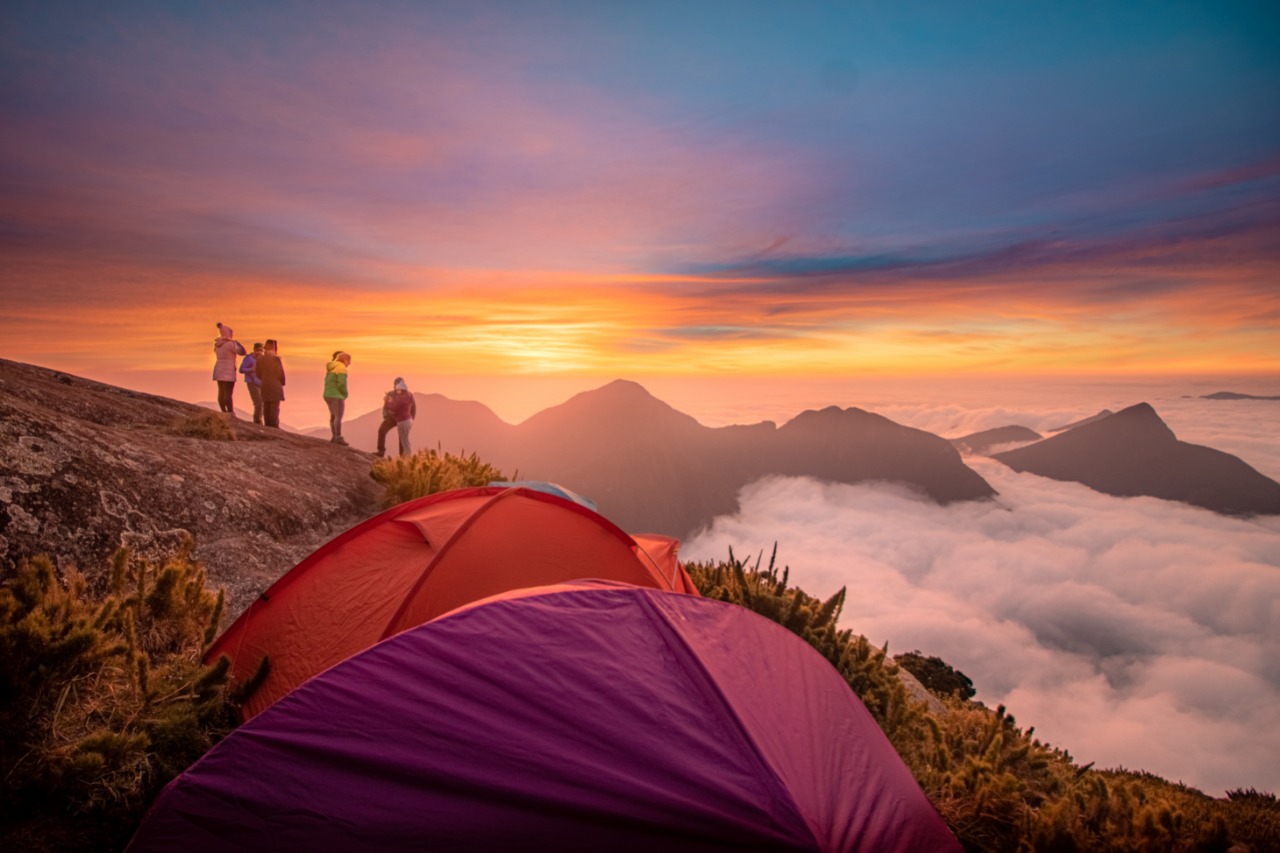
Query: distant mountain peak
[[623, 389], [1139, 422], [620, 402], [1139, 410]]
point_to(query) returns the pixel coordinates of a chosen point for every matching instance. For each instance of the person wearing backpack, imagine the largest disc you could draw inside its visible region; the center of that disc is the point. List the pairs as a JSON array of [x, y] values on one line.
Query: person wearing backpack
[[398, 411]]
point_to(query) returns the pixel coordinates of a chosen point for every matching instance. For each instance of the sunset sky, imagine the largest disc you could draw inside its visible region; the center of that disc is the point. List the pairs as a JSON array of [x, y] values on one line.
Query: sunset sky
[[551, 195]]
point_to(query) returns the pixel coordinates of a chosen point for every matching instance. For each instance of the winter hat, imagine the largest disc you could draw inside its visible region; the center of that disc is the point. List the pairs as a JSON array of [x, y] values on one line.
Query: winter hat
[[400, 386], [226, 331]]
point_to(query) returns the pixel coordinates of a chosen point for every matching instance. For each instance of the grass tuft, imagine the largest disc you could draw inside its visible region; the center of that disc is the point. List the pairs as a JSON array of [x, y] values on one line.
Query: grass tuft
[[212, 426]]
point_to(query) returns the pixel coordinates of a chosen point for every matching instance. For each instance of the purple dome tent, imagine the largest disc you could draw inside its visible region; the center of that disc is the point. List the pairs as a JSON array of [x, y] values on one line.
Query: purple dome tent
[[585, 716]]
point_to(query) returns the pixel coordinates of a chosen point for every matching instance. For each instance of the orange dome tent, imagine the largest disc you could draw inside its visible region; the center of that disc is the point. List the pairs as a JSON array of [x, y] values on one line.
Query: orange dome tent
[[424, 558]]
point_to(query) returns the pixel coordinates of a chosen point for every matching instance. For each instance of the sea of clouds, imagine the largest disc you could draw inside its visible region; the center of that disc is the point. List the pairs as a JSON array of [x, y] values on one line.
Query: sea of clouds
[[1131, 632]]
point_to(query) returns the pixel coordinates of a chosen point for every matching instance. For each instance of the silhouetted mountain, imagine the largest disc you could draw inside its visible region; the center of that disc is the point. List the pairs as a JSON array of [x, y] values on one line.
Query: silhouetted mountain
[[654, 469], [1105, 413], [1233, 395], [853, 445], [1135, 453], [980, 442]]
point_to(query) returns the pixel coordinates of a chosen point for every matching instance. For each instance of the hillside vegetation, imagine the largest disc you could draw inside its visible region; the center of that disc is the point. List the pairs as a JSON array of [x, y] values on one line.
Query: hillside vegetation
[[103, 696]]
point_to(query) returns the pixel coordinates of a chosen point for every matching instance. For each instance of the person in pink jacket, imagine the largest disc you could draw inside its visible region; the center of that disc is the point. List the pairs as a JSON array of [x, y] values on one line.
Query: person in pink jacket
[[225, 350]]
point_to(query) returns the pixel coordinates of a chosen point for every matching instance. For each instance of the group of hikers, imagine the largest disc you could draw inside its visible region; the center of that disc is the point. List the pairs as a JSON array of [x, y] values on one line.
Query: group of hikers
[[263, 373]]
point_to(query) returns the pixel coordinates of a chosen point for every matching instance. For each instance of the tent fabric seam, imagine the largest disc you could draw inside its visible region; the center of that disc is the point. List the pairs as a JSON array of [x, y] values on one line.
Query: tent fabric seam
[[294, 574], [501, 494], [662, 616]]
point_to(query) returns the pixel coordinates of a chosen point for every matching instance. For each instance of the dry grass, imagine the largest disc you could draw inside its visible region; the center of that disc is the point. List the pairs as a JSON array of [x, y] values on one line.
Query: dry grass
[[213, 426]]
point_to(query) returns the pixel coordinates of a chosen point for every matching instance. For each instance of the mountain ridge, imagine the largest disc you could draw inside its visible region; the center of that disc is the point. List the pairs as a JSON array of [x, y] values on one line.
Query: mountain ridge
[[654, 469], [1133, 453]]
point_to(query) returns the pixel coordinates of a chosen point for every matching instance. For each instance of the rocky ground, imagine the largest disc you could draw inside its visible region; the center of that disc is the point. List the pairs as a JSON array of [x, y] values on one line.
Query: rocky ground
[[87, 467]]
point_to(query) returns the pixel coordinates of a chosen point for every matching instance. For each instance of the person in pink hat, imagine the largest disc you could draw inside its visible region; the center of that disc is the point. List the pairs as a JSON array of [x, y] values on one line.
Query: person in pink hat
[[225, 350]]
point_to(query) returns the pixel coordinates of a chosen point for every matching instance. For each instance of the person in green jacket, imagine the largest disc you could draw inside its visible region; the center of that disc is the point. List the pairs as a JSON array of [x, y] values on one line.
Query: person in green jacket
[[335, 393]]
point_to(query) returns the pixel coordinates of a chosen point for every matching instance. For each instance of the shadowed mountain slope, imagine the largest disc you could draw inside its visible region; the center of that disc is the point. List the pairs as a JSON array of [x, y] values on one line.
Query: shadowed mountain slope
[[852, 445], [1105, 413], [980, 442], [1133, 452]]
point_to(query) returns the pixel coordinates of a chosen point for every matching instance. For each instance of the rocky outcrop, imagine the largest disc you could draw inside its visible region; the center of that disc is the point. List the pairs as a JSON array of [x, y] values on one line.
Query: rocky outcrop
[[87, 467], [1133, 452]]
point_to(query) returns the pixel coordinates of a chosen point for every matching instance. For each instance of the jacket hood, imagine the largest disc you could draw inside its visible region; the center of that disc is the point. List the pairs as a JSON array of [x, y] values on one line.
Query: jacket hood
[[335, 366]]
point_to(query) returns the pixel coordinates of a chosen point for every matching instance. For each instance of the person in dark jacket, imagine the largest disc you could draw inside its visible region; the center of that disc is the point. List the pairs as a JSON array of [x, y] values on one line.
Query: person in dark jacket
[[270, 371], [252, 382], [398, 411]]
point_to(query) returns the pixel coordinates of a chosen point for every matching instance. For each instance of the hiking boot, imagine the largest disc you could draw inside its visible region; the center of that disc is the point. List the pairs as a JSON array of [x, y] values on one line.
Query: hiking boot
[[380, 454], [337, 439]]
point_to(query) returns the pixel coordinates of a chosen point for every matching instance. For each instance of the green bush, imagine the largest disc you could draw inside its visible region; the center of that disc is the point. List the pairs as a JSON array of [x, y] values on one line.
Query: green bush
[[429, 471], [103, 697]]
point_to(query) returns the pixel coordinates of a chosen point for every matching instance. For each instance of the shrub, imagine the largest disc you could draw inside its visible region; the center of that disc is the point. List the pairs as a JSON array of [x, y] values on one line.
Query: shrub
[[429, 471], [103, 698]]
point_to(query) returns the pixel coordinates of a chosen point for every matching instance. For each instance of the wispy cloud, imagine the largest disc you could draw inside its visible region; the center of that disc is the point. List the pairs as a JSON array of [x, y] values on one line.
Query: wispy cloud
[[840, 189]]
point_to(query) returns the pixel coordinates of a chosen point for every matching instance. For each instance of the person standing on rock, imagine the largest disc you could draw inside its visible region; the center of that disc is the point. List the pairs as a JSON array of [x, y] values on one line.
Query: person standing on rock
[[225, 350], [270, 371], [252, 382], [398, 411], [335, 393]]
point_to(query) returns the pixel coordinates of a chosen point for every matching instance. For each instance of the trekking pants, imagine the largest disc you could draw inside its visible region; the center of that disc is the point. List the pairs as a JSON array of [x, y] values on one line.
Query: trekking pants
[[336, 408]]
